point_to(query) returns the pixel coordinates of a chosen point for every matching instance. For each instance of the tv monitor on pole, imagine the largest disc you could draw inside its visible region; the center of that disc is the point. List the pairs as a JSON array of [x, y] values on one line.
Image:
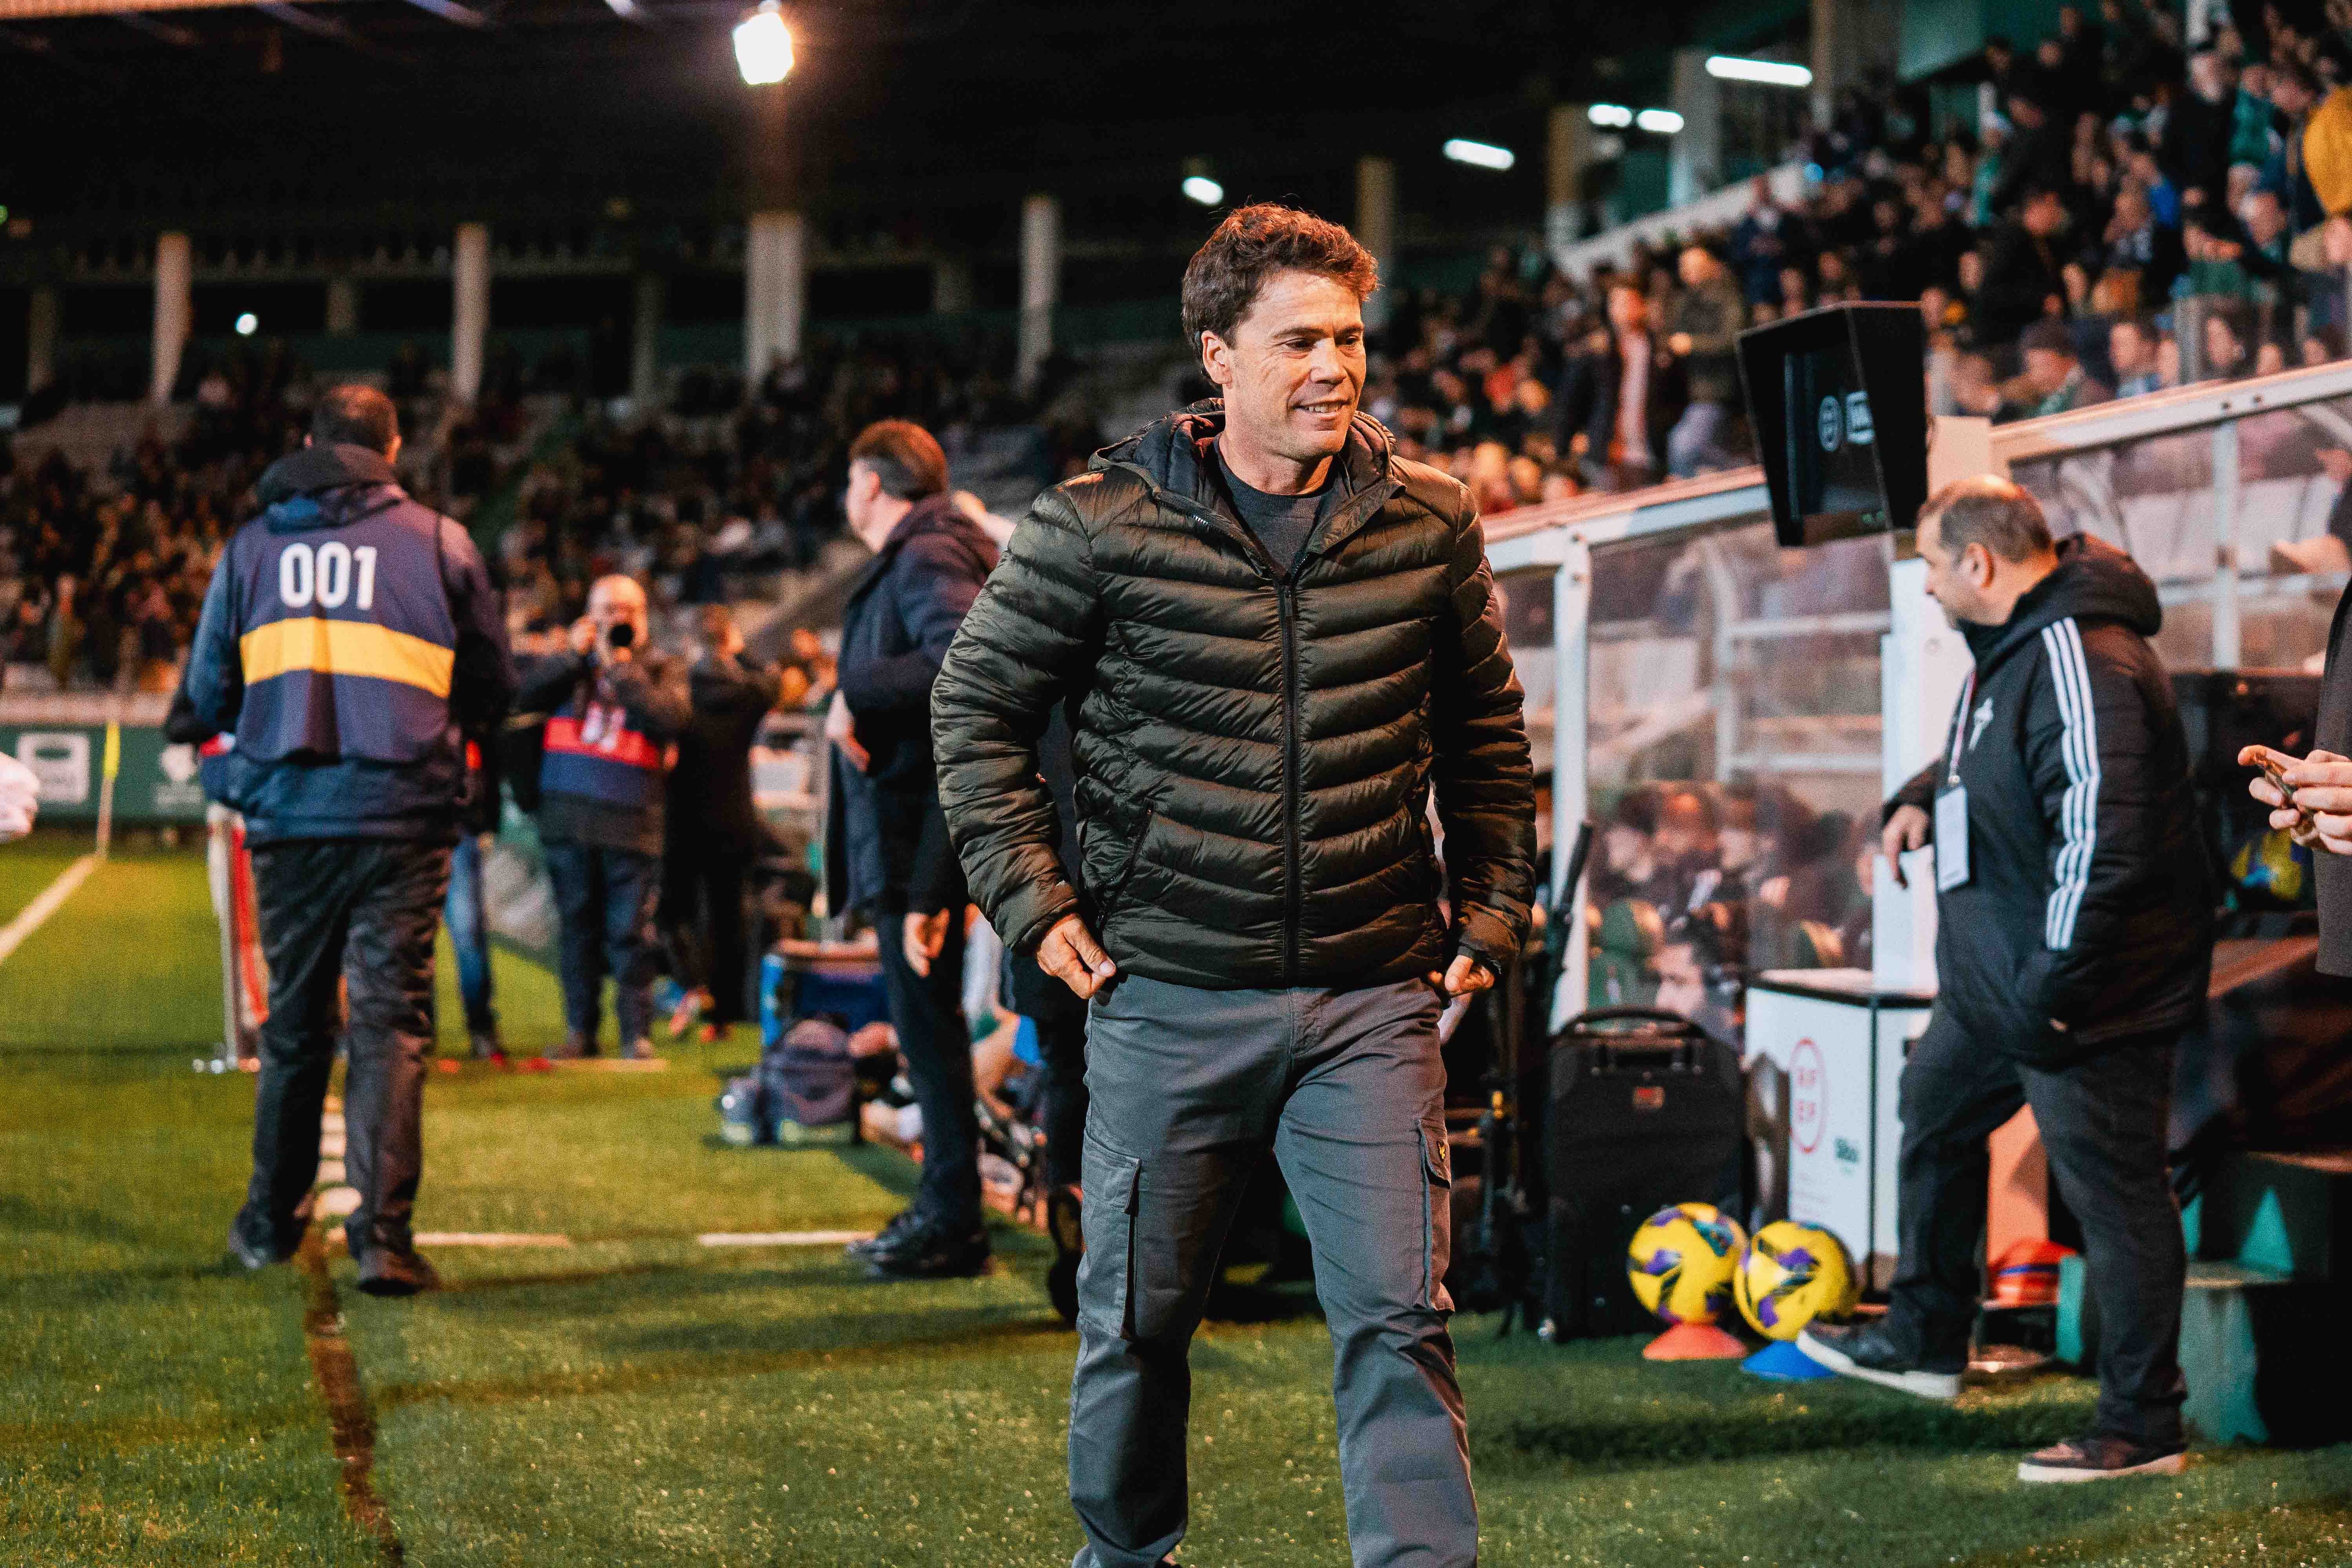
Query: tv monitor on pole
[[1837, 399]]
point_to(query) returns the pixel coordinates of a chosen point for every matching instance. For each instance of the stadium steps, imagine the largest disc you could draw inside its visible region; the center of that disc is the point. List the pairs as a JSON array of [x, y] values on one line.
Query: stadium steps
[[90, 434], [2261, 1337]]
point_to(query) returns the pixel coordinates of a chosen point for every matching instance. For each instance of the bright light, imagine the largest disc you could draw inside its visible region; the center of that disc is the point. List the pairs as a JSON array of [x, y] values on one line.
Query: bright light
[[1772, 73], [763, 45], [1665, 121], [1482, 154], [1203, 190], [1615, 115], [247, 324]]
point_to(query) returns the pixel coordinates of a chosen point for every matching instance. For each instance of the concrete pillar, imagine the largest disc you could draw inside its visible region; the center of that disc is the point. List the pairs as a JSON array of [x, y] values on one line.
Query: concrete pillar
[[776, 290], [1041, 281], [469, 310], [1694, 153], [645, 341], [174, 311], [342, 307], [1376, 226], [41, 330], [1850, 38], [1568, 139], [951, 290]]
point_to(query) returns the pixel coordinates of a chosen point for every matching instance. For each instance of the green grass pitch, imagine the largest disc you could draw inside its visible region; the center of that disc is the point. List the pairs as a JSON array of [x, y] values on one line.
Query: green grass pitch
[[638, 1399]]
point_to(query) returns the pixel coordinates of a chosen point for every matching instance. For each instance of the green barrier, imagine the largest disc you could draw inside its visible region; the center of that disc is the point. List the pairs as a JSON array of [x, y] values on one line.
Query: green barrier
[[156, 783]]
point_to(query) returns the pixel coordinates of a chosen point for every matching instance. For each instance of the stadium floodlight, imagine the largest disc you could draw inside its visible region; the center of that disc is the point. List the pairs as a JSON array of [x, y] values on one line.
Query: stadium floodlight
[[1665, 121], [247, 324], [1772, 73], [1615, 115], [763, 45], [1479, 154], [1203, 190]]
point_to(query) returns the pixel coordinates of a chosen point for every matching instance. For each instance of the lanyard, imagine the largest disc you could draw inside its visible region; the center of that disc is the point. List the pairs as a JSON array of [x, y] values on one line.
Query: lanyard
[[1960, 727]]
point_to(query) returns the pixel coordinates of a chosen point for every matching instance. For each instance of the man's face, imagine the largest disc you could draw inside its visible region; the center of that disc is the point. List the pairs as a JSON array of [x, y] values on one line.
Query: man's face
[[1293, 370], [1958, 583], [1696, 268], [2044, 215], [2265, 218], [860, 504], [616, 601], [2047, 369], [2127, 349], [1629, 312]]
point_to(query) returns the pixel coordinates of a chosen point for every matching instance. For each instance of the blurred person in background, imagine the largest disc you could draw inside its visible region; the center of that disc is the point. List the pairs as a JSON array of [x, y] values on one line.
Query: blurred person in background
[[2054, 378], [2132, 345], [1701, 324], [887, 850], [1621, 395], [616, 706], [713, 831]]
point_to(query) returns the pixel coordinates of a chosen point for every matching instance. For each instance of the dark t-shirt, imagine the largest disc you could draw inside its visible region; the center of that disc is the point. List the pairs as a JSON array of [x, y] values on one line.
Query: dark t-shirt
[[1281, 522]]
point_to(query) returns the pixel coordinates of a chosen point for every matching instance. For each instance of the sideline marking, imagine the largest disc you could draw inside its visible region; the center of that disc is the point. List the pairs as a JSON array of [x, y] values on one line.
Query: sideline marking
[[488, 1239], [336, 1371], [45, 904], [784, 1238]]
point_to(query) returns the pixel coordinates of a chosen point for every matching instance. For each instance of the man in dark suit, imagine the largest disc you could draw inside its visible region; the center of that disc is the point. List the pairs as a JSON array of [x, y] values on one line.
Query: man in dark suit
[[887, 848], [2317, 804], [714, 831], [1620, 396]]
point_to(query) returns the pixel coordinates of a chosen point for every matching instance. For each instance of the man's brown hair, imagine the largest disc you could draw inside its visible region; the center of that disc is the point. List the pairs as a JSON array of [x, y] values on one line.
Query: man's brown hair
[[1253, 243], [355, 414], [903, 457]]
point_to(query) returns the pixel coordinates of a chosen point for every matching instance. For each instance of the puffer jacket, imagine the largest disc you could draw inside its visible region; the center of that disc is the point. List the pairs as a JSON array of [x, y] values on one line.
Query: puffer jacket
[[1254, 750], [2087, 916]]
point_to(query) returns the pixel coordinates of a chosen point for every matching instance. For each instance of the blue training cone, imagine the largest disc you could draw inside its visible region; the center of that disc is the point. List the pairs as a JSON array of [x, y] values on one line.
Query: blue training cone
[[1782, 1362]]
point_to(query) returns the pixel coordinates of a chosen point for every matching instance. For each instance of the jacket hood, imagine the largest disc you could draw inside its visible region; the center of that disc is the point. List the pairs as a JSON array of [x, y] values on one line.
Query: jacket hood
[[1173, 451], [2094, 582], [325, 486], [939, 514]]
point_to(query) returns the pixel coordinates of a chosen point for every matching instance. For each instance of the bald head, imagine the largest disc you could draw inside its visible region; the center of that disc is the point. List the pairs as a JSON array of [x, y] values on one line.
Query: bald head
[[617, 600]]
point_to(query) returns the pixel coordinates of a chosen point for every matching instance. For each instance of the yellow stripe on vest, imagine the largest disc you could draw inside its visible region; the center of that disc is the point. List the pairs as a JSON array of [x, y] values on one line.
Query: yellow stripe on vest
[[344, 647]]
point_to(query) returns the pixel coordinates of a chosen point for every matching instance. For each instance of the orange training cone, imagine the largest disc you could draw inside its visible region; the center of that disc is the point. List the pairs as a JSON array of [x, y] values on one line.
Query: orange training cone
[[1695, 1341]]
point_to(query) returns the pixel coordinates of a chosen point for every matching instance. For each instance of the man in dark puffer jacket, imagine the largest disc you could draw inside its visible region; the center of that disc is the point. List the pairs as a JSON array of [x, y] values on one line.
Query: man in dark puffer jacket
[[1274, 639]]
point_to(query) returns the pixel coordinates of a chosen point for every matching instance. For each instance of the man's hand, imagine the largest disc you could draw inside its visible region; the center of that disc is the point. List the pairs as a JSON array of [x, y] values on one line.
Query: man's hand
[[1904, 831], [583, 634], [2321, 816], [1071, 955], [1679, 343], [1463, 976], [924, 936], [841, 728]]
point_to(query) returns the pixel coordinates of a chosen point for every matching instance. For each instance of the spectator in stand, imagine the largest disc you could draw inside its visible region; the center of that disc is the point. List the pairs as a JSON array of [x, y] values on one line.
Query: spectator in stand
[[1621, 394], [2194, 147], [713, 830], [1704, 317], [2132, 355], [2023, 276], [2054, 378]]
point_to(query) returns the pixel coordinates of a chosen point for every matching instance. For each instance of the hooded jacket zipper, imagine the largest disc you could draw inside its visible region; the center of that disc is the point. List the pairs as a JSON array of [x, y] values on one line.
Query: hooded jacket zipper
[[1293, 873]]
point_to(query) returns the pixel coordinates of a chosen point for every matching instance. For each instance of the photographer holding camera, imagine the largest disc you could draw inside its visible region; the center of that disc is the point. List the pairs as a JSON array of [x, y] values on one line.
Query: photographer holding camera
[[615, 705]]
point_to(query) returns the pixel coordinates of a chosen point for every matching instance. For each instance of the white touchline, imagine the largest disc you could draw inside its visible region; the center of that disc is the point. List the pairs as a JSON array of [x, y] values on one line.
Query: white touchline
[[784, 1238], [487, 1238], [29, 919]]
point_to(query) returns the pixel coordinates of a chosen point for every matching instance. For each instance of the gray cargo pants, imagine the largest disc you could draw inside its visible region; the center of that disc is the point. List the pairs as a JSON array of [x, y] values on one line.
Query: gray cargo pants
[[1187, 1087]]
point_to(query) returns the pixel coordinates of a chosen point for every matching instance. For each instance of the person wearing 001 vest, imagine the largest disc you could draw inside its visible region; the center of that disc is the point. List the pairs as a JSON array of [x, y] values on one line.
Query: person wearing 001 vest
[[1277, 643], [351, 643], [2074, 940], [615, 706]]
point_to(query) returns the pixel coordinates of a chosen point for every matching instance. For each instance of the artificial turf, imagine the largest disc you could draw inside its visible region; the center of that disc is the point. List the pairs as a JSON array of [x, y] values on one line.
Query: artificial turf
[[636, 1398]]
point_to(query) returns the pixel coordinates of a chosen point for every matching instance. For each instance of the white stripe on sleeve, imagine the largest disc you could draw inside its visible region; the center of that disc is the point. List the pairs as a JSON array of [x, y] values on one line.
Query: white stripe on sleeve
[[2078, 816]]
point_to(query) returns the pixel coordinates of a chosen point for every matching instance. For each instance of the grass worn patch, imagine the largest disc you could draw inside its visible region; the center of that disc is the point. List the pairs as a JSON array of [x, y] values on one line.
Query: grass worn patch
[[638, 1399]]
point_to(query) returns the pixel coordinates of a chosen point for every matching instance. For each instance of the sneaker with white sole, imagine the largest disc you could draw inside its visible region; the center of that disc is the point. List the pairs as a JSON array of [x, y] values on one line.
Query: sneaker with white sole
[[2102, 1456], [1868, 1352]]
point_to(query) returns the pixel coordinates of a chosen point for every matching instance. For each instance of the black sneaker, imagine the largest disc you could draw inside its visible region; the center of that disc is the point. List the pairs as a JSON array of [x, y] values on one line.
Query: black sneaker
[[256, 1245], [933, 1252], [387, 1273], [2103, 1457], [1062, 1209], [486, 1046], [1867, 1351], [888, 1237]]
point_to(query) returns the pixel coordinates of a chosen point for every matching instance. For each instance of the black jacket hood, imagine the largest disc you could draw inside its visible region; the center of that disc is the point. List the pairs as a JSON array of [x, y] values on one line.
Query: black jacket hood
[[2094, 582], [300, 489]]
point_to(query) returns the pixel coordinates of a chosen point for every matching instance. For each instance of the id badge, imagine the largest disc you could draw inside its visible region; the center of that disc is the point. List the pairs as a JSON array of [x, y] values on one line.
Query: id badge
[[1951, 838]]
